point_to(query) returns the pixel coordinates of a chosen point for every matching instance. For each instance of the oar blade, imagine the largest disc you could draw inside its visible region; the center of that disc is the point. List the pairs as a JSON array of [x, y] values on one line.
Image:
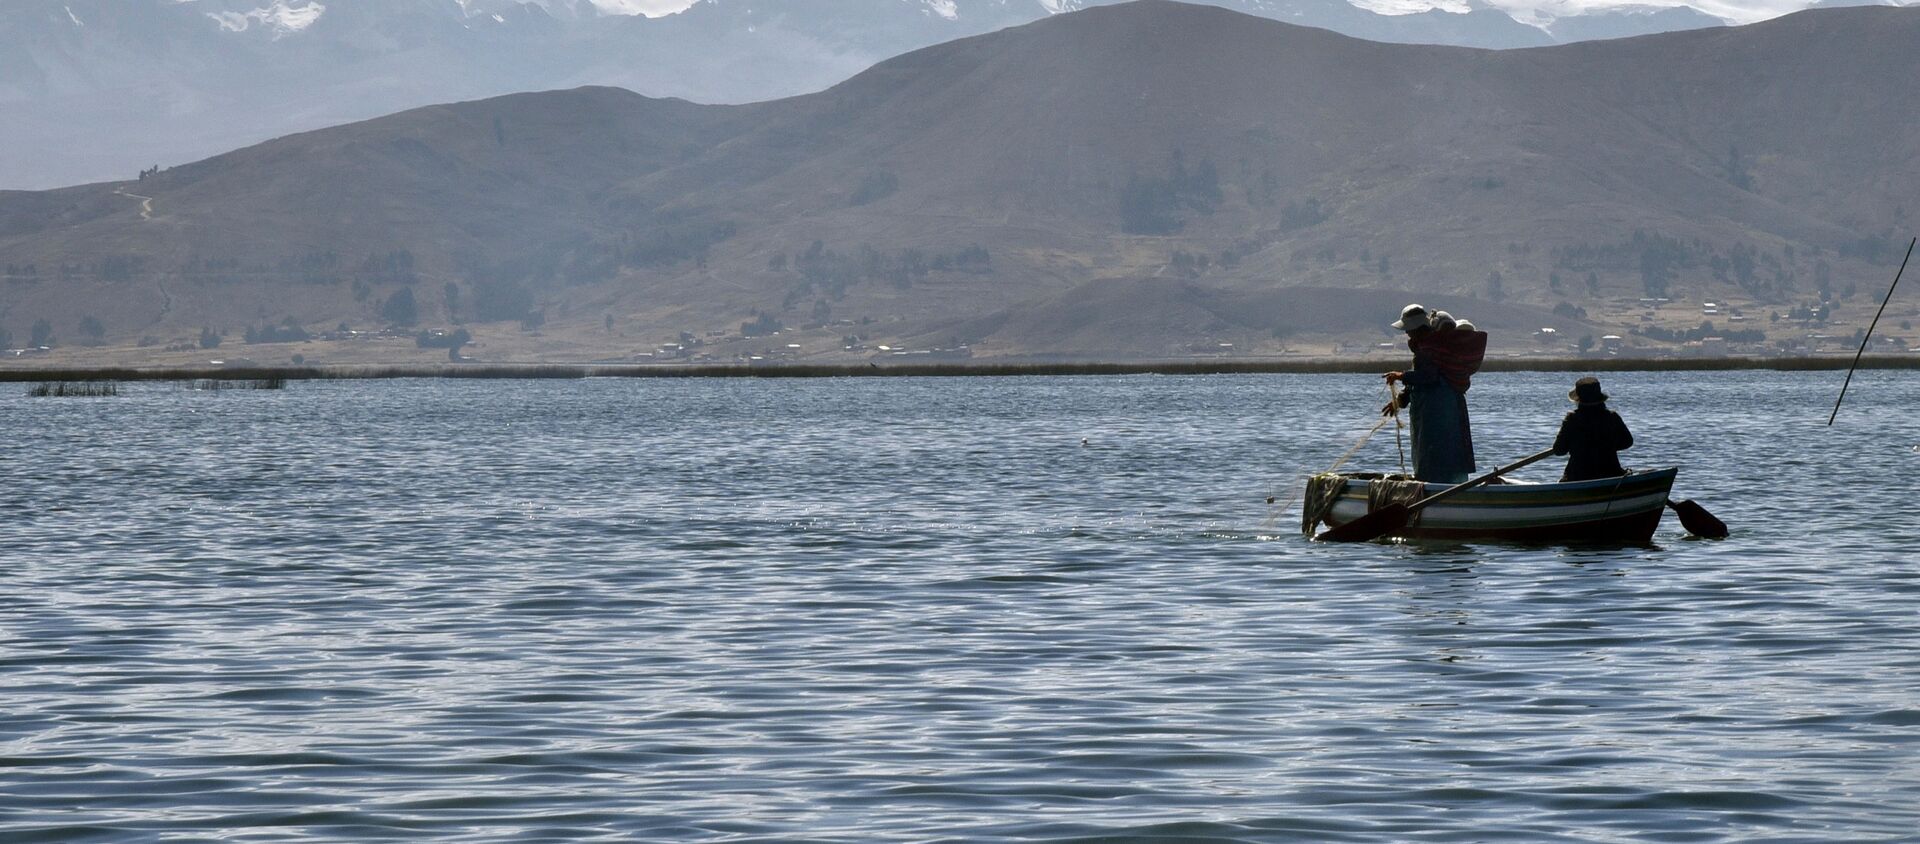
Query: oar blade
[[1698, 521], [1369, 527]]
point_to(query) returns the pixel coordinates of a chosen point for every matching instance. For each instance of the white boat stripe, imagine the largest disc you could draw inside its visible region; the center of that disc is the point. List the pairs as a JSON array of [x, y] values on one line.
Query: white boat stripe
[[1448, 515]]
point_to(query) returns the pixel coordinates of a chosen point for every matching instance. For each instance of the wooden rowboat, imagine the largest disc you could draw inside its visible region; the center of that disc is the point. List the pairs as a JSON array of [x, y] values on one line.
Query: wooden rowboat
[[1622, 509]]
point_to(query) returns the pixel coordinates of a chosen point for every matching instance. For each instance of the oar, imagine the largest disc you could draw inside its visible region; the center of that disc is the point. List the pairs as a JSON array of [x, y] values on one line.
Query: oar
[[1697, 520], [1869, 334], [1393, 517]]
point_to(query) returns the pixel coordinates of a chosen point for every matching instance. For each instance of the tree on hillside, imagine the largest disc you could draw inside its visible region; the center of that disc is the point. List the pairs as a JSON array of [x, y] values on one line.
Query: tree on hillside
[[875, 185], [1655, 274], [670, 244], [1736, 169], [1147, 206], [452, 293], [1299, 215], [288, 331], [6, 338], [208, 339], [1189, 264], [91, 330], [42, 333], [1152, 204], [442, 339], [1267, 193], [497, 300], [1200, 187], [400, 309], [395, 267], [1741, 261], [762, 324]]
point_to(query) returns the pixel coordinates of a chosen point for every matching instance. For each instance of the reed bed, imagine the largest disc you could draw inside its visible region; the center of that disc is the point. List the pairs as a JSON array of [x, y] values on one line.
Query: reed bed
[[74, 388], [863, 369], [274, 382]]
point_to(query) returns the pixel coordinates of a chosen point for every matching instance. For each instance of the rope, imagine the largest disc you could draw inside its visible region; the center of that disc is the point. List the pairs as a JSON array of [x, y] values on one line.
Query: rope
[[1613, 495], [1393, 401]]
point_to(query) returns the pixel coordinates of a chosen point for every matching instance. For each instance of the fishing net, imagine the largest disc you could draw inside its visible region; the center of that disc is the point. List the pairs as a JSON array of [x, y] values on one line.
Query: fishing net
[[1325, 488], [1322, 490], [1382, 492]]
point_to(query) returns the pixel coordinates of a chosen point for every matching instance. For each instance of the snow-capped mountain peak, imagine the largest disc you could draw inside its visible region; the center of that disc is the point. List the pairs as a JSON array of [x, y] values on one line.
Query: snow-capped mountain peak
[[284, 17]]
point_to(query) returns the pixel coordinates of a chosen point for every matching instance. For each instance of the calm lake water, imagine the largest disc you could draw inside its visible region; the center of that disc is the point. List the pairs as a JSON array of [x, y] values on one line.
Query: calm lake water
[[921, 609]]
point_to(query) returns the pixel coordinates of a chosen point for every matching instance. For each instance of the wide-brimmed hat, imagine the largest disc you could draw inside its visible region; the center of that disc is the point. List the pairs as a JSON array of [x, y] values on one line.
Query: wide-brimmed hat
[[1587, 391], [1412, 317]]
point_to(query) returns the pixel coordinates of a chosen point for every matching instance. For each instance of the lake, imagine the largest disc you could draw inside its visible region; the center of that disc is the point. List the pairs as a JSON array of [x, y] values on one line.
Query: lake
[[930, 609]]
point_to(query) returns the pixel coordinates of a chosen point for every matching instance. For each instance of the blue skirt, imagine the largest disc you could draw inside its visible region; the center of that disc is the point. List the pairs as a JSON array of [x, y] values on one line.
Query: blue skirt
[[1442, 436]]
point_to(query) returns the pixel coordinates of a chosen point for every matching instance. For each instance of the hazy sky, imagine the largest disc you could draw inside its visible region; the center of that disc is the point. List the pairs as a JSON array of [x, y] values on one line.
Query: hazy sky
[[1741, 11]]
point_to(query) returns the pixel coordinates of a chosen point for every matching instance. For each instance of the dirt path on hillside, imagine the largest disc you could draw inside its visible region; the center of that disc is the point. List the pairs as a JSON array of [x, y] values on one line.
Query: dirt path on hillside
[[146, 202]]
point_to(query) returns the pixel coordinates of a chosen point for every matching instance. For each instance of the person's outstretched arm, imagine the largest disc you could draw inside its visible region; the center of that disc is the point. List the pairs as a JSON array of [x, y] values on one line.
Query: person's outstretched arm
[[1563, 442]]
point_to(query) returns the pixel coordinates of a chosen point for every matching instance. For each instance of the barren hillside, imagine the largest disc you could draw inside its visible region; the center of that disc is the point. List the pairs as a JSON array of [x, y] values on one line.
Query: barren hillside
[[944, 191]]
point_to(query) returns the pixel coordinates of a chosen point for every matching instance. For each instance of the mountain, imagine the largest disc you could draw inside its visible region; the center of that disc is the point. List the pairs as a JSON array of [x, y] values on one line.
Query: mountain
[[1184, 153], [1629, 21], [99, 89]]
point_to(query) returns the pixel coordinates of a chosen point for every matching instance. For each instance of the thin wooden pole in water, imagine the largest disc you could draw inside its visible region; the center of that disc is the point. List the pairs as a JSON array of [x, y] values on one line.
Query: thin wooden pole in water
[[1869, 335]]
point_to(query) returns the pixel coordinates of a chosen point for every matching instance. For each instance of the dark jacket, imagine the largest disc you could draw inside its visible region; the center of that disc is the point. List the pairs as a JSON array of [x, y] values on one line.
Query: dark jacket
[[1442, 433], [1593, 437]]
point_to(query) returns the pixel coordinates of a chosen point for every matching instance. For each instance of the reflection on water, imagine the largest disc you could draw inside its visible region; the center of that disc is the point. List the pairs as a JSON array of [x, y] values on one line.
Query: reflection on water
[[913, 609]]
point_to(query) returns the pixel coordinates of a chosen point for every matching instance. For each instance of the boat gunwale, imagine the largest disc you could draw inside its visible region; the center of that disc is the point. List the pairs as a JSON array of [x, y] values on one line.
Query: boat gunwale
[[1522, 495]]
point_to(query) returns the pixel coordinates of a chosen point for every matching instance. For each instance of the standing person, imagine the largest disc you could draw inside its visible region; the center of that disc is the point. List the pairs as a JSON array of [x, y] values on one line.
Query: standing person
[[1436, 395], [1592, 436]]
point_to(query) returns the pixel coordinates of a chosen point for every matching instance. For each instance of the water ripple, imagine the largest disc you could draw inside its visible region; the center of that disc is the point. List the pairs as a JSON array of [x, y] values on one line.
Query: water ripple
[[921, 610]]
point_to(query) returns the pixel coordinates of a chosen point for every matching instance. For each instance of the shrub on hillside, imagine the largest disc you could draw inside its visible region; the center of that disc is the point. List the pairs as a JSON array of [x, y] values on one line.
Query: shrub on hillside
[[400, 308], [442, 339], [288, 331]]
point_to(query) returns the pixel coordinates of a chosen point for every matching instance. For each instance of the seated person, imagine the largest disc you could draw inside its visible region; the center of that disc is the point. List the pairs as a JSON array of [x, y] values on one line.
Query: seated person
[[1592, 436]]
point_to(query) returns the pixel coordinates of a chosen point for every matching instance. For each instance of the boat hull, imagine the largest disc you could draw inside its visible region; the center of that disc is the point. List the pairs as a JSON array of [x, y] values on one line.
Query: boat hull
[[1626, 509]]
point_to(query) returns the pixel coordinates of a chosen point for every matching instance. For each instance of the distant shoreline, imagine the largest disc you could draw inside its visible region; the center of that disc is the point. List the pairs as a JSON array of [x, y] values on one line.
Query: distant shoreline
[[941, 369]]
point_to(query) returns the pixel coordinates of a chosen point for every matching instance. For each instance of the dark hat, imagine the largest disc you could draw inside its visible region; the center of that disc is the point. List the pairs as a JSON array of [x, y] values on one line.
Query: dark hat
[[1587, 391]]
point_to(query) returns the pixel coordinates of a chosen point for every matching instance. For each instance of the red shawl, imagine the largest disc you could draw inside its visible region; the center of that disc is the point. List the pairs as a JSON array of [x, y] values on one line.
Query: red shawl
[[1455, 354]]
